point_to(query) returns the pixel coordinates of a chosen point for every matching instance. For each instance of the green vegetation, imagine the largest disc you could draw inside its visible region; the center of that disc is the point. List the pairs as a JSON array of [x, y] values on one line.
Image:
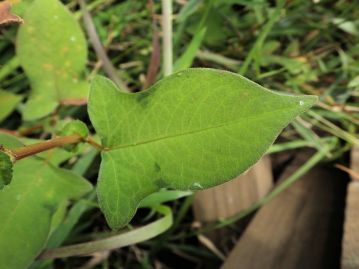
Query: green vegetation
[[159, 138]]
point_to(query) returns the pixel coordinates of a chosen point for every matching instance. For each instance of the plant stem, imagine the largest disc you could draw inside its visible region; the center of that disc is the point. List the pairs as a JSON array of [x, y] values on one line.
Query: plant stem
[[93, 143], [155, 61], [167, 37], [99, 49], [26, 151]]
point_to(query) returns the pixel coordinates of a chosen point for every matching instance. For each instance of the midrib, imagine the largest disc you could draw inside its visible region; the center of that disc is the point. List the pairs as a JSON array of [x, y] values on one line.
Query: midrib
[[241, 121]]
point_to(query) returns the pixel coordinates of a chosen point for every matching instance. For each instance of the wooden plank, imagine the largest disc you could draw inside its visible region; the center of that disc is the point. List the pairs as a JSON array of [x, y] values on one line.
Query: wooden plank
[[354, 161], [350, 255], [295, 230], [231, 197]]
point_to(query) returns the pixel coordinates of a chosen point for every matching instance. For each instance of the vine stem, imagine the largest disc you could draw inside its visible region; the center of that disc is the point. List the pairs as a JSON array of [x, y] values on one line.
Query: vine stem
[[26, 151], [93, 143], [99, 49]]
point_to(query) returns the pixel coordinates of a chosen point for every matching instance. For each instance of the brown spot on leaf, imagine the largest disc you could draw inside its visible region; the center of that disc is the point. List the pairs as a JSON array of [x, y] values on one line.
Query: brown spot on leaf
[[48, 66], [6, 17], [65, 50]]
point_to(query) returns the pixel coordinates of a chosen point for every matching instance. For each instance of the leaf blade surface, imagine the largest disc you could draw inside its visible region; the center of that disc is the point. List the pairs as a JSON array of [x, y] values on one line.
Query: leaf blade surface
[[193, 130]]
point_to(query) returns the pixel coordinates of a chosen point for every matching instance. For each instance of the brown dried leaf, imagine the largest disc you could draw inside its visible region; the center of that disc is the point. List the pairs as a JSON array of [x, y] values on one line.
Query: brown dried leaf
[[6, 17]]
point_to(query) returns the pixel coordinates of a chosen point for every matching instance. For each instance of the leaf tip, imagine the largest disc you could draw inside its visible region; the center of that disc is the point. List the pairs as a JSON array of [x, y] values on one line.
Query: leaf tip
[[307, 101]]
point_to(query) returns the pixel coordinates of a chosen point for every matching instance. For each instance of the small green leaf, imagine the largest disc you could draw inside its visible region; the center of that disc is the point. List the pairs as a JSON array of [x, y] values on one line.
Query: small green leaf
[[195, 129], [8, 102], [75, 127], [28, 204], [5, 169], [52, 49]]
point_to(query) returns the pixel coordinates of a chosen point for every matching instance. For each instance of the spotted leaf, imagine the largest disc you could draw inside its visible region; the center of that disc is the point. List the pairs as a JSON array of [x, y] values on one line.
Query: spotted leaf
[[52, 50]]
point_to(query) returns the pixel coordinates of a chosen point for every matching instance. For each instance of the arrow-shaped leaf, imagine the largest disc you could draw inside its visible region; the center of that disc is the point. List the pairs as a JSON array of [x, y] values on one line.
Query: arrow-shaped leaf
[[192, 130]]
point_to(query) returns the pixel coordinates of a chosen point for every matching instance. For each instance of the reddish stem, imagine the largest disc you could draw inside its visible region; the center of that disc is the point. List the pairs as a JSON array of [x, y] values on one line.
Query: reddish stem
[[26, 151]]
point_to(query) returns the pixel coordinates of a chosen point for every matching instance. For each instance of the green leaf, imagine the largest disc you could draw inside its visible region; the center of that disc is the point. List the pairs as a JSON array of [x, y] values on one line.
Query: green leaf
[[71, 128], [20, 7], [354, 82], [28, 204], [52, 49], [75, 127], [8, 102], [195, 129], [351, 27]]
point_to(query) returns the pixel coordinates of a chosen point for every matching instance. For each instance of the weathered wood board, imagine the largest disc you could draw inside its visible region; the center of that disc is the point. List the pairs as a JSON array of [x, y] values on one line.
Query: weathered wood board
[[231, 197], [299, 228], [350, 253]]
